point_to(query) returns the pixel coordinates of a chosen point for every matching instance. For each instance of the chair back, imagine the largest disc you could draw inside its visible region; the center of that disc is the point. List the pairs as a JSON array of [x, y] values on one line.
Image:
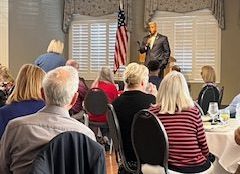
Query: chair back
[[70, 152], [149, 139], [95, 102], [115, 134], [199, 108], [221, 95], [208, 94]]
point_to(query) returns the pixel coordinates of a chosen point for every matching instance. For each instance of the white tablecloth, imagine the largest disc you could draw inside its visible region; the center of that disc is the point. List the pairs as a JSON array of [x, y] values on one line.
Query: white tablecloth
[[221, 143]]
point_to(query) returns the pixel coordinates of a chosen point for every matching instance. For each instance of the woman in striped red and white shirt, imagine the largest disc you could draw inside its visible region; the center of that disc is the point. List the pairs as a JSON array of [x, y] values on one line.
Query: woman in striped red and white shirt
[[188, 150]]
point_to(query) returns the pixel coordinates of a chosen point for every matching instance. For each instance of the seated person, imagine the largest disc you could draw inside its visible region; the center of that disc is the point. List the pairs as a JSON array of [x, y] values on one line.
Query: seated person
[[26, 96], [232, 106], [24, 137], [209, 90], [134, 98], [209, 76], [6, 84], [188, 150], [82, 91], [105, 82], [153, 66], [176, 68]]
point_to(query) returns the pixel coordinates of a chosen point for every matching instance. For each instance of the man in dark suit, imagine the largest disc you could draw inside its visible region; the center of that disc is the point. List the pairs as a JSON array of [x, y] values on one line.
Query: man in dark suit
[[156, 47]]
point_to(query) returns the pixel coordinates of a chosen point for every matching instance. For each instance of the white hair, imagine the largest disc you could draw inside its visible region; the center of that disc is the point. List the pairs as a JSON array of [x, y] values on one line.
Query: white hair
[[173, 94], [135, 74], [60, 85]]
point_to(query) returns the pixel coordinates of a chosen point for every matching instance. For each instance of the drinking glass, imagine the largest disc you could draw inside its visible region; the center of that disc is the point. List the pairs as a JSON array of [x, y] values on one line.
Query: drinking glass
[[213, 110], [224, 115]]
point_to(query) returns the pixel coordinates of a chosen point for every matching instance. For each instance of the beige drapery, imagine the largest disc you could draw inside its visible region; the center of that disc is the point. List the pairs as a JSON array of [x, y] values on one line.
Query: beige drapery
[[183, 6], [94, 8]]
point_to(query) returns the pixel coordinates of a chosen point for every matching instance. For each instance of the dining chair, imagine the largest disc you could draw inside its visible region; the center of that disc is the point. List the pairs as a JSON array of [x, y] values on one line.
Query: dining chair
[[149, 140], [199, 108], [70, 153], [221, 95], [150, 143], [96, 103], [115, 133], [208, 94]]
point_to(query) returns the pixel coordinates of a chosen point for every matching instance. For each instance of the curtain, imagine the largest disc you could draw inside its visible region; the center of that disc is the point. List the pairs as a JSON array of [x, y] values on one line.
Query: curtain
[[183, 6], [94, 8]]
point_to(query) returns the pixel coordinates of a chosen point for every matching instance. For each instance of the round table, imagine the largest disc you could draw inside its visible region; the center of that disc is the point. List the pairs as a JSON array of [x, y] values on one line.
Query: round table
[[221, 143]]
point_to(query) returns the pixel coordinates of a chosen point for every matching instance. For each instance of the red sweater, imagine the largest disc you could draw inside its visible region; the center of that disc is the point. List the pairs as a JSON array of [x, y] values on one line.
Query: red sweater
[[111, 92], [186, 136]]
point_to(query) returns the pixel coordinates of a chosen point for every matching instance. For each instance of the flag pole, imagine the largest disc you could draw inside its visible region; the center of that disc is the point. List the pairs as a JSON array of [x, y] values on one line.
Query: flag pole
[[120, 4]]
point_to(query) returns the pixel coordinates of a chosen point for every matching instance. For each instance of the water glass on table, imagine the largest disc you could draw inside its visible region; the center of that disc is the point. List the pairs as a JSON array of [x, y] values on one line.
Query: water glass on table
[[224, 115], [213, 111]]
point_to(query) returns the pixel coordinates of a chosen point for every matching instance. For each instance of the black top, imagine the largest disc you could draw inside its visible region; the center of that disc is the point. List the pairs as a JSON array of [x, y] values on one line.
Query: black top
[[128, 104]]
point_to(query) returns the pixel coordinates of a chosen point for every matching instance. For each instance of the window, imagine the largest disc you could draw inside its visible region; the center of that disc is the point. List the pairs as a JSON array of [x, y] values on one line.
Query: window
[[4, 32], [92, 44], [195, 40]]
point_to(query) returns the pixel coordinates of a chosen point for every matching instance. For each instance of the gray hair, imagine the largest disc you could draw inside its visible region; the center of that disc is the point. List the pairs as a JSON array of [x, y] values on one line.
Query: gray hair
[[106, 74], [60, 85], [73, 63]]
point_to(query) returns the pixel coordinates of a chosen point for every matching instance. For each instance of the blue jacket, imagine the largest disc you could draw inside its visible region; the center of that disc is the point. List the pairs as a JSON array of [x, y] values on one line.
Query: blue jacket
[[50, 61], [18, 109]]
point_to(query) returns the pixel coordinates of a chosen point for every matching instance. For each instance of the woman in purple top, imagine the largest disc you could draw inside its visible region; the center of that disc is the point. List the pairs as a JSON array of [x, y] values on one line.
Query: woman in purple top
[[26, 96]]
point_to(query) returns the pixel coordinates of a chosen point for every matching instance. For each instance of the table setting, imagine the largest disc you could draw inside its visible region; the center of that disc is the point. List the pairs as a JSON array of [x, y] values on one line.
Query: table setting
[[219, 129]]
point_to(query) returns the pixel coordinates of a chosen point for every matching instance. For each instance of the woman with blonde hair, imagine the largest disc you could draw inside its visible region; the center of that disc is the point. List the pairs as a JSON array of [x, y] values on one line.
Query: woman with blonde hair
[[210, 91], [26, 96], [135, 97], [53, 58], [188, 150], [208, 75]]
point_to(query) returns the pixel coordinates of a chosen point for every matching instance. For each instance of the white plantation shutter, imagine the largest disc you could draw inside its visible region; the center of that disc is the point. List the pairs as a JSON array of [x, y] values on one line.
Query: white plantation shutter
[[92, 44], [98, 46], [194, 38]]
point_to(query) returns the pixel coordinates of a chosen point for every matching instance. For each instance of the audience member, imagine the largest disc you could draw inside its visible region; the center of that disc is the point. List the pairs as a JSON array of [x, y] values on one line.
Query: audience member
[[134, 98], [6, 84], [176, 68], [24, 137], [105, 82], [153, 66], [26, 96], [82, 90], [208, 75], [188, 150], [52, 59], [209, 92], [232, 106]]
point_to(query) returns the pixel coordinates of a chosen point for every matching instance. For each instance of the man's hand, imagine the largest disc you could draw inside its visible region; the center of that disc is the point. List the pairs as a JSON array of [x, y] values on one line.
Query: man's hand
[[149, 41]]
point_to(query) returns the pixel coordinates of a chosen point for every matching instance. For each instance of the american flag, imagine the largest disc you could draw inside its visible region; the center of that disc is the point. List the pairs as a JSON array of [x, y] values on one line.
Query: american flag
[[120, 55]]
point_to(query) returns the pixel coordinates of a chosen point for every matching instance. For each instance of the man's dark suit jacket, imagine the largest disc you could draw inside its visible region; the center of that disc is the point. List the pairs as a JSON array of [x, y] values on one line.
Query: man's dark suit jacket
[[160, 50]]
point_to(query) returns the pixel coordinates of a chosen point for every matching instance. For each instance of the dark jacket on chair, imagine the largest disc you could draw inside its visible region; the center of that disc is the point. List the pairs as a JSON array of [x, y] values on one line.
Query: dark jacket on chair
[[70, 153]]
